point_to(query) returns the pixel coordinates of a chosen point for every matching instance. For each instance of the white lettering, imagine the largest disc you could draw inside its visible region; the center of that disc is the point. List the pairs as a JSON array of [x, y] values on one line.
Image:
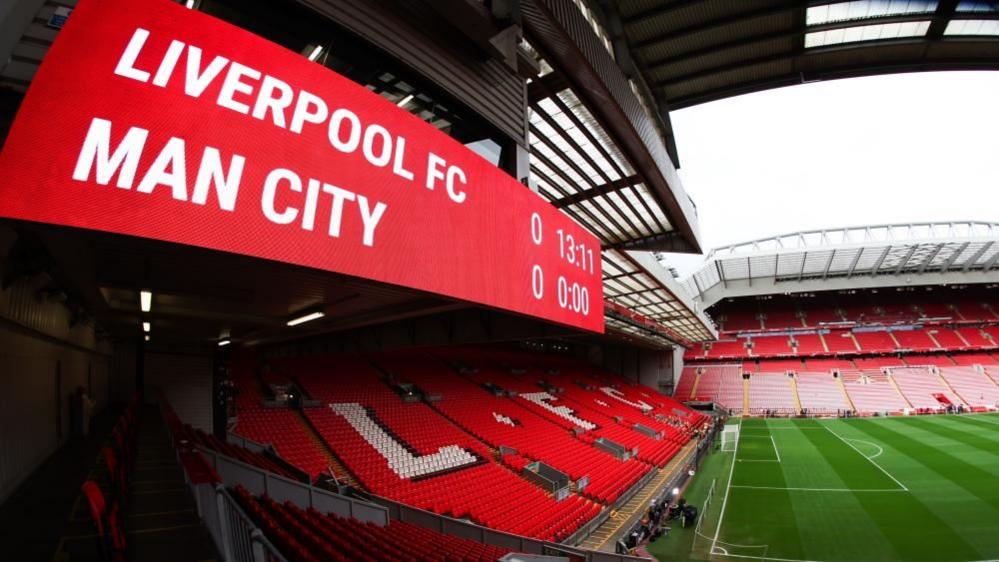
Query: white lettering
[[370, 219], [270, 191], [197, 81], [168, 63], [169, 169], [303, 114], [277, 105], [232, 85], [336, 212], [126, 64], [96, 152], [336, 121], [210, 173]]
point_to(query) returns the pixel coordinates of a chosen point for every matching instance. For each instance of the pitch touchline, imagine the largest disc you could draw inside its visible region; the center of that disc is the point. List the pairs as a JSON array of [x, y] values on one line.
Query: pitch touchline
[[760, 557], [728, 487], [814, 489]]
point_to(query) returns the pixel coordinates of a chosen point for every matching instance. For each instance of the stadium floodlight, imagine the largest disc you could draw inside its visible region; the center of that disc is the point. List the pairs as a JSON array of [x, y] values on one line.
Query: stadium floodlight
[[316, 51], [306, 318], [145, 300], [405, 100], [147, 337], [146, 327], [223, 343], [189, 4]]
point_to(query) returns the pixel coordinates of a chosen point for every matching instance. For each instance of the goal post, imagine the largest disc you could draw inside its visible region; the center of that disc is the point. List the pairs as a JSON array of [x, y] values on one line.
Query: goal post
[[729, 437]]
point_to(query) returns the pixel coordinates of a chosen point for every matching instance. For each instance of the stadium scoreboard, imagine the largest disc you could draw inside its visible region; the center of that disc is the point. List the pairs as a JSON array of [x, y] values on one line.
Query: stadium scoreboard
[[148, 119]]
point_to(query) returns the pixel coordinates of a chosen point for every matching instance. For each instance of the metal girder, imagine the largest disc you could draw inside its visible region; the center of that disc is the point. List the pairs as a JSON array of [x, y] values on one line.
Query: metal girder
[[877, 264], [928, 259], [987, 266], [825, 273], [941, 17], [908, 256], [721, 273], [856, 260], [954, 256], [974, 257], [804, 258]]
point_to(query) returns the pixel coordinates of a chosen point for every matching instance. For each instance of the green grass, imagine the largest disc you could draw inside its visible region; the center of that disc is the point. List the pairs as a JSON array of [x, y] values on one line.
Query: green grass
[[917, 488]]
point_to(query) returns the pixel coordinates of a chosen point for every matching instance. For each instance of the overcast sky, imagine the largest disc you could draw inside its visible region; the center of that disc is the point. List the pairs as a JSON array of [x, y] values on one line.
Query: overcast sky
[[886, 149]]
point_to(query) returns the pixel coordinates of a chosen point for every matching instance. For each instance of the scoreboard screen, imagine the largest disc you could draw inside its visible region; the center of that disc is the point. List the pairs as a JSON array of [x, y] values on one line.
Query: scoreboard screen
[[148, 119]]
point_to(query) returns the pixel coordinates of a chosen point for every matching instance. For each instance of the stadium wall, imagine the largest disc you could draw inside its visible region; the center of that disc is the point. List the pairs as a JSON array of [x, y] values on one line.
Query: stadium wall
[[44, 357]]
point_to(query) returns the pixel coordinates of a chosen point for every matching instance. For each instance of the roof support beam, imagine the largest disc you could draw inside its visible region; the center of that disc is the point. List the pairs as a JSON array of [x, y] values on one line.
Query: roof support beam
[[877, 264], [825, 274], [945, 11], [804, 258], [954, 256], [987, 266], [721, 273], [974, 257], [908, 256], [928, 259], [853, 264]]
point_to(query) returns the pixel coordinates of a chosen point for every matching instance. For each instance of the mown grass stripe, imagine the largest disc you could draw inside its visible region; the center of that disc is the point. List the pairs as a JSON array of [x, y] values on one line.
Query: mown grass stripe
[[966, 475], [951, 431], [900, 517]]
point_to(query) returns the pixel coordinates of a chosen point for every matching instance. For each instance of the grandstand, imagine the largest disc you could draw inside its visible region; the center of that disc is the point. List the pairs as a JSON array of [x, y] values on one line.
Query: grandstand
[[297, 281]]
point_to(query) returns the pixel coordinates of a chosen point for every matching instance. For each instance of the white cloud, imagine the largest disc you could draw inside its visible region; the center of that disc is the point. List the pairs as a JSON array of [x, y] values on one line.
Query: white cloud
[[888, 149]]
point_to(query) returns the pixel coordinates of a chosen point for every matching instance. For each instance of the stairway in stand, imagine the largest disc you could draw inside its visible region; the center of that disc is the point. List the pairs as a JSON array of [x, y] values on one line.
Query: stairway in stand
[[341, 472], [620, 521]]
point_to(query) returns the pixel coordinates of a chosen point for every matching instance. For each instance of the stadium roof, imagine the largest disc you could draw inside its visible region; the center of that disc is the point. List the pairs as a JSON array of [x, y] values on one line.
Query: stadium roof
[[853, 257], [695, 51]]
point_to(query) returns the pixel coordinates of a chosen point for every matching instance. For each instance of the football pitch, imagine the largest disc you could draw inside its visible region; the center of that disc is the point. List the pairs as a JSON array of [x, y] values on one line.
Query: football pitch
[[912, 488]]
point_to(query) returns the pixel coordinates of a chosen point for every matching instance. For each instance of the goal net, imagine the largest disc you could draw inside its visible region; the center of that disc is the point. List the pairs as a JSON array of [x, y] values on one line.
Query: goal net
[[729, 437]]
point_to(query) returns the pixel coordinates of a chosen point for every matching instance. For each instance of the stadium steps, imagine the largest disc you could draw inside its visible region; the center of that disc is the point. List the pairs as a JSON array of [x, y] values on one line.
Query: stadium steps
[[947, 384], [341, 471], [822, 339], [988, 375], [856, 343], [894, 340], [894, 385], [697, 380], [745, 396], [794, 393], [933, 339], [621, 520], [960, 336], [842, 387]]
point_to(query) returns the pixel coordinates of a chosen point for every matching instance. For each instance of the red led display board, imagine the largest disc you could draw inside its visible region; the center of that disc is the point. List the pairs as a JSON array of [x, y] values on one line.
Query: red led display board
[[152, 120]]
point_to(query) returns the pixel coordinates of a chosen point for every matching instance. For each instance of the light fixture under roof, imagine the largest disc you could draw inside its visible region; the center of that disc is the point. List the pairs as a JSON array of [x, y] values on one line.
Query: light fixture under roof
[[147, 337], [315, 52], [223, 343], [405, 100], [315, 315], [145, 300], [146, 327]]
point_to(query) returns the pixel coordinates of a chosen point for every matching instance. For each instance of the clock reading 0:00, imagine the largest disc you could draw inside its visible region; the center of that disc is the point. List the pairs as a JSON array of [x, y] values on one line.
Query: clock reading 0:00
[[571, 296]]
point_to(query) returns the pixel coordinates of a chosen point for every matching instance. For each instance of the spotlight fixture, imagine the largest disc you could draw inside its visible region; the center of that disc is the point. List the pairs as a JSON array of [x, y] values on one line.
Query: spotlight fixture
[[306, 318], [146, 300], [223, 343], [146, 327]]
